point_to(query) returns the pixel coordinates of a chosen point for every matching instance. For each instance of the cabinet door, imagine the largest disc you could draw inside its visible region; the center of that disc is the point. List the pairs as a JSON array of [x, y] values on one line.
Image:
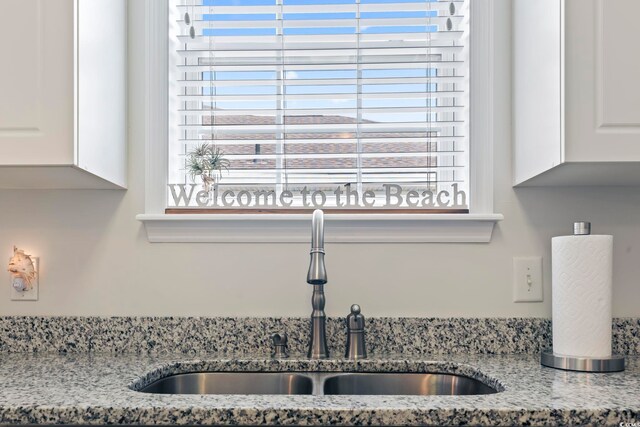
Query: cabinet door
[[602, 80], [102, 104], [36, 82]]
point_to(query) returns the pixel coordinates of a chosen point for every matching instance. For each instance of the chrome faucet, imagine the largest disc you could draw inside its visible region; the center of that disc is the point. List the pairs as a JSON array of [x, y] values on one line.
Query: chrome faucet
[[317, 276]]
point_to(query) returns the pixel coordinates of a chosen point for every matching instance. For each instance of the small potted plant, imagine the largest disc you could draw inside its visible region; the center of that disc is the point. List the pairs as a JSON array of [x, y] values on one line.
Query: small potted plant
[[207, 162]]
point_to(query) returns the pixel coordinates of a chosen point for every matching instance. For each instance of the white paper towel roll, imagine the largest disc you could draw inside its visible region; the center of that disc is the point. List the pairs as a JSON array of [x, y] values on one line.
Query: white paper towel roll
[[581, 295]]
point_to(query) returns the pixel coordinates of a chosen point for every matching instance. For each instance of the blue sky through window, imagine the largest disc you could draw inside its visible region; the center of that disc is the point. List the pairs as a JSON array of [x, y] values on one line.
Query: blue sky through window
[[326, 74]]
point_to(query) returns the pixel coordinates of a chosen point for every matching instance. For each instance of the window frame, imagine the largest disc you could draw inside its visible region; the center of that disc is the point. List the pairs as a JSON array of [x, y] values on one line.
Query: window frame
[[475, 226]]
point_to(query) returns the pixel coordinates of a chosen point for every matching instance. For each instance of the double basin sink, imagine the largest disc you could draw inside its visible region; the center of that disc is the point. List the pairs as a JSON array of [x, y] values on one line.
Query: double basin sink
[[318, 383]]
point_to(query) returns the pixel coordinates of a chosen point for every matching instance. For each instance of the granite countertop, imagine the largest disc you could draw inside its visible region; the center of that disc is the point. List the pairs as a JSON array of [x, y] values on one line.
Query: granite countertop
[[93, 388]]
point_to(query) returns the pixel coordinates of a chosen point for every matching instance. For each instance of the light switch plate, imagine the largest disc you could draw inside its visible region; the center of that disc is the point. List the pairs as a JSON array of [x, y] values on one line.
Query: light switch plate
[[527, 279], [31, 294]]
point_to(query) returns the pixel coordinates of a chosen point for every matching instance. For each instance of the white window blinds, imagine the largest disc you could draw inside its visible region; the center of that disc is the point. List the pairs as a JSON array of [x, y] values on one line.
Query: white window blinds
[[324, 97]]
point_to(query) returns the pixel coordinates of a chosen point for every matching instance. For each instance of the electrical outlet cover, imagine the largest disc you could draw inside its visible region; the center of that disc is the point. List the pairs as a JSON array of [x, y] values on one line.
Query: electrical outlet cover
[[527, 279]]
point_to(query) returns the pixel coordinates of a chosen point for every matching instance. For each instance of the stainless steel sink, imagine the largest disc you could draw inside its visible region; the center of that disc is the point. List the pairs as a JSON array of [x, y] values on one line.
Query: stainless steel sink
[[404, 384], [318, 383], [233, 383]]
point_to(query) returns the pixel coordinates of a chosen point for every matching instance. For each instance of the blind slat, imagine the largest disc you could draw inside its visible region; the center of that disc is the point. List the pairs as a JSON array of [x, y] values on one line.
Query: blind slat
[[325, 38], [261, 97], [240, 21]]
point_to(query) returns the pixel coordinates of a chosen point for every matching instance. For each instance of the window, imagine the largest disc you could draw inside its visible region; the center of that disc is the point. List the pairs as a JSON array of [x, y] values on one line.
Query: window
[[333, 104], [166, 221]]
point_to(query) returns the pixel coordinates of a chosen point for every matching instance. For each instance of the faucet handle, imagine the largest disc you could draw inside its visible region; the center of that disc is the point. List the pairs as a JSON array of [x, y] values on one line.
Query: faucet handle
[[356, 347], [355, 320], [280, 350]]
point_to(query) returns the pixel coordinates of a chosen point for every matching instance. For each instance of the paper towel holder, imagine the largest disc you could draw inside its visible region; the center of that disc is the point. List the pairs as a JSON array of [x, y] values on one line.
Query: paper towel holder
[[581, 228], [582, 364]]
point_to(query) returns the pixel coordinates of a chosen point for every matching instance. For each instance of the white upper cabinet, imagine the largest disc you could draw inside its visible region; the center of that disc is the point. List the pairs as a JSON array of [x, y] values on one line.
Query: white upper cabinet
[[576, 90], [63, 94]]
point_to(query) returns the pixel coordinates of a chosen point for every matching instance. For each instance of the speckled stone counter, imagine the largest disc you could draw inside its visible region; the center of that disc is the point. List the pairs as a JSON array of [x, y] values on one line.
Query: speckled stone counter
[[85, 370], [87, 388]]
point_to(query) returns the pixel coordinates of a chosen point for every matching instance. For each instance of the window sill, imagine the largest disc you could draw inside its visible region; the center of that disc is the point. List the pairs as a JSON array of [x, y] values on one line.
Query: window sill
[[339, 228]]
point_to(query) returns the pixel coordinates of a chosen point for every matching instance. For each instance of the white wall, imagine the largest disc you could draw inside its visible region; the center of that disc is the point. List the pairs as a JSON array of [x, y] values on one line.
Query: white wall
[[96, 260]]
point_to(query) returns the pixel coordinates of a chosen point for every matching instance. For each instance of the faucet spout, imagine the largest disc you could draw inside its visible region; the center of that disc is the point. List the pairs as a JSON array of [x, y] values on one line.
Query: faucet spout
[[317, 276]]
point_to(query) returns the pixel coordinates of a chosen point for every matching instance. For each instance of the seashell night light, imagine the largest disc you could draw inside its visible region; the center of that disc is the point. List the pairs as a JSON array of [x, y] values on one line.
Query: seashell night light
[[22, 269]]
